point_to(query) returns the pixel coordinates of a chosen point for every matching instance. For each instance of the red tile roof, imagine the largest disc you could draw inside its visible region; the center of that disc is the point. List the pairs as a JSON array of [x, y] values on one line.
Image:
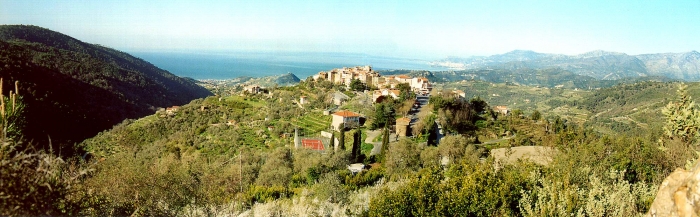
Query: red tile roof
[[314, 144], [346, 113]]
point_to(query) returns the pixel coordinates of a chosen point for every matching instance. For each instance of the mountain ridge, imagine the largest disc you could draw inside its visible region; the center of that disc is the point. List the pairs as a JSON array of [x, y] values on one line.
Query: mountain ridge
[[73, 89], [600, 64]]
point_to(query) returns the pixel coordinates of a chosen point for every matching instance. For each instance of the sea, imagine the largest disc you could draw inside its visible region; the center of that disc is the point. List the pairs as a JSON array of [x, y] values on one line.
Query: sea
[[229, 65]]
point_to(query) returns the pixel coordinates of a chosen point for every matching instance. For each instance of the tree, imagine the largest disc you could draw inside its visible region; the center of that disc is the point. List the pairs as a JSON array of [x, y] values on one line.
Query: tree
[[341, 137], [406, 92], [478, 104], [385, 144], [516, 113], [384, 114], [406, 106], [277, 170], [425, 116], [559, 124], [356, 144], [357, 85], [333, 141], [536, 116], [681, 117], [402, 158], [453, 147]]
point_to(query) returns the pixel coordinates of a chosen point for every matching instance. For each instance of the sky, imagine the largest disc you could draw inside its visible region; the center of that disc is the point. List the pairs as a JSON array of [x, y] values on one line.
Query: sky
[[425, 29]]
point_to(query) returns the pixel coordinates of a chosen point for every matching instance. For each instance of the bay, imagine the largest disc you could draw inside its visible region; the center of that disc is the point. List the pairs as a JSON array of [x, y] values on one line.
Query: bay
[[228, 65]]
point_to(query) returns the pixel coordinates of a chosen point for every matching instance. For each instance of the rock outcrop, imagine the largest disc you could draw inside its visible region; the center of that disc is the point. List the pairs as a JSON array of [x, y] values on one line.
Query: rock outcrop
[[679, 194]]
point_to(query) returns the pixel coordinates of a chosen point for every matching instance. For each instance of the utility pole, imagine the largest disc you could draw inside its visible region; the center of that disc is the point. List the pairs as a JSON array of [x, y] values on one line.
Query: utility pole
[[240, 173]]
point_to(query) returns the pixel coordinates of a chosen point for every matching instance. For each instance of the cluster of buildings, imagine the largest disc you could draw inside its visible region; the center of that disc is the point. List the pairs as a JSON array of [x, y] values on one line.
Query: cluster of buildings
[[365, 74], [345, 75]]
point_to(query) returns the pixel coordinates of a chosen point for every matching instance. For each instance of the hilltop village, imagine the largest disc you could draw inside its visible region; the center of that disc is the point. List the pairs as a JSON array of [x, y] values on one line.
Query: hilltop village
[[367, 76], [343, 99]]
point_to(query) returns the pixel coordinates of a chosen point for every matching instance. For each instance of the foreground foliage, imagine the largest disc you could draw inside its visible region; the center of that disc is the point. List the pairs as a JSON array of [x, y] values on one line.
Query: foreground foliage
[[215, 156]]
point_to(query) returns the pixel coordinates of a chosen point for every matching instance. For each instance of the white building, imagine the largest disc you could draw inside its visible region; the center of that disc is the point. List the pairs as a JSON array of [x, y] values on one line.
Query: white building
[[348, 119]]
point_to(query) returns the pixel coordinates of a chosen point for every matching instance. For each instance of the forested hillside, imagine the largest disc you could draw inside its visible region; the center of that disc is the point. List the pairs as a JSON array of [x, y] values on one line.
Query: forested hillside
[[73, 89]]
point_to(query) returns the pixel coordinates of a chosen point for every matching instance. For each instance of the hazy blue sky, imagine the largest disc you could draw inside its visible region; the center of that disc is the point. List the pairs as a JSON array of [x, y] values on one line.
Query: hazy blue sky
[[392, 28]]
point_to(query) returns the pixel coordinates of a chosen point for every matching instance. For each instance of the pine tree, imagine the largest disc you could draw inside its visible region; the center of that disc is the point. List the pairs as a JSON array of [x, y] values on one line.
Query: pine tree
[[681, 117]]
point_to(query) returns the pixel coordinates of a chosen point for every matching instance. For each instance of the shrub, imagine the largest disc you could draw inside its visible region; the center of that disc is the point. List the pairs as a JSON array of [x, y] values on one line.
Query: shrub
[[364, 178], [38, 183]]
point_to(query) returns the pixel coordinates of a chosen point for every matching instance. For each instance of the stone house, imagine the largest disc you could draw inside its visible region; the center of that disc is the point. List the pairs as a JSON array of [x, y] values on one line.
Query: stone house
[[501, 109], [348, 119], [172, 110], [379, 95], [254, 89]]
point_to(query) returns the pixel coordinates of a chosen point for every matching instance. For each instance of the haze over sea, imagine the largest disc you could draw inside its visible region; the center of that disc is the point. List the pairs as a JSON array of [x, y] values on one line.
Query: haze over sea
[[220, 65]]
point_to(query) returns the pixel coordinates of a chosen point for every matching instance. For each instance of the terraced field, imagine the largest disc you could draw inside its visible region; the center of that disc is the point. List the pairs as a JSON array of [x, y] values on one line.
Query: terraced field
[[312, 123]]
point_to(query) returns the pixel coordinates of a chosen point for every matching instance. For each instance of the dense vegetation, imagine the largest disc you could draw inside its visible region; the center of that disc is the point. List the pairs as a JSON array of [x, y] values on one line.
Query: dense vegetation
[[73, 90], [215, 156], [232, 154]]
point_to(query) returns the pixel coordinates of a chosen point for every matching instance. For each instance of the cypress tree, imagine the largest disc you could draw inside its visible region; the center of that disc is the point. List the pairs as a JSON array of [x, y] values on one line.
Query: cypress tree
[[356, 143], [385, 144], [332, 145], [341, 138]]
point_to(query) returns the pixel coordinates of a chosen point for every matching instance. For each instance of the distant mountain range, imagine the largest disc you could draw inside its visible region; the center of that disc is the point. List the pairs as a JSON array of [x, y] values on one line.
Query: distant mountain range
[[601, 65], [73, 89]]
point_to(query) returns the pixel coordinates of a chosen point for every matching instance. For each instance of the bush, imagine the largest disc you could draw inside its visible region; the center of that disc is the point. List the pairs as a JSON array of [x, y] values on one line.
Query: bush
[[607, 195], [364, 178], [38, 183], [262, 194], [402, 158]]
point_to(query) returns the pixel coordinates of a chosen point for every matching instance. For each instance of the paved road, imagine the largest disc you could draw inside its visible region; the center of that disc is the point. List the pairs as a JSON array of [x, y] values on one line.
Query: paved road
[[371, 134], [422, 100]]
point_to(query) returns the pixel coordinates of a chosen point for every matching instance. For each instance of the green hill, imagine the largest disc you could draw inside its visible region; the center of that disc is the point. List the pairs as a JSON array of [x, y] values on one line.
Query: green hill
[[630, 108], [73, 89]]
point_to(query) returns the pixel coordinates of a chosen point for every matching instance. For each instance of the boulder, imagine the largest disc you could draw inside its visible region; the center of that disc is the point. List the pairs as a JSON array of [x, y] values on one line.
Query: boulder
[[678, 195]]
